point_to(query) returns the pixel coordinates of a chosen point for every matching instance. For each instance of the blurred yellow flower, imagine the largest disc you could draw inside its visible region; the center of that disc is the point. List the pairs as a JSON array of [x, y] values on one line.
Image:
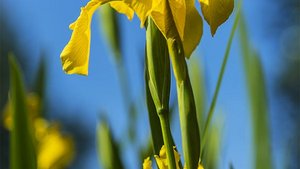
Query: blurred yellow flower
[[33, 104], [54, 151]]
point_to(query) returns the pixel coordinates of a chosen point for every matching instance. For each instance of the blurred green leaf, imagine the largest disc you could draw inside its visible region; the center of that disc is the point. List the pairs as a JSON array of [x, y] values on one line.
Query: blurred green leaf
[[197, 80], [40, 85], [211, 151], [146, 151], [258, 101], [108, 150], [22, 152], [110, 27]]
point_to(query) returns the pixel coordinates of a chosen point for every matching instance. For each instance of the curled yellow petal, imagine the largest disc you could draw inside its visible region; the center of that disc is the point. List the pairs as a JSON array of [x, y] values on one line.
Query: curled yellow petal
[[216, 12], [147, 164], [75, 55], [122, 8]]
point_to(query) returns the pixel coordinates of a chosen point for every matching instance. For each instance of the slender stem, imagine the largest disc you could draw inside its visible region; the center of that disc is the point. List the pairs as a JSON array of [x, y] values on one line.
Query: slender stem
[[166, 131], [220, 78]]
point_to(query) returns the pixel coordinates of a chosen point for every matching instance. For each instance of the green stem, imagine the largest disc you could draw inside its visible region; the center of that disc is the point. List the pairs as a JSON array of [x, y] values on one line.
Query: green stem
[[220, 78], [166, 131], [186, 103]]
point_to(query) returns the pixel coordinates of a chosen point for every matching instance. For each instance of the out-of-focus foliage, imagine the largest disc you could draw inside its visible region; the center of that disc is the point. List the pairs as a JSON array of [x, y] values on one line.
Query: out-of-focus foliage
[[108, 149], [286, 25], [21, 138], [46, 146], [211, 150], [258, 102]]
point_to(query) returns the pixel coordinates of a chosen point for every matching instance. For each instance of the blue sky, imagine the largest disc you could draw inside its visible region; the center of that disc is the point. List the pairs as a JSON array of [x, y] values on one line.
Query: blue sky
[[43, 26]]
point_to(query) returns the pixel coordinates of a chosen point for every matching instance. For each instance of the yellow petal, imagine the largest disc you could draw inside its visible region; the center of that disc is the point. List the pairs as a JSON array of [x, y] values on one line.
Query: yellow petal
[[178, 9], [179, 18], [142, 8], [162, 160], [122, 8], [163, 19], [193, 29], [75, 55], [200, 166], [216, 12], [147, 164]]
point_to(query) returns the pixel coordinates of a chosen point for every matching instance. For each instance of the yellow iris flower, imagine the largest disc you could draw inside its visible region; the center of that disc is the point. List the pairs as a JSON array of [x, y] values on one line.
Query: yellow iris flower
[[162, 160], [172, 17]]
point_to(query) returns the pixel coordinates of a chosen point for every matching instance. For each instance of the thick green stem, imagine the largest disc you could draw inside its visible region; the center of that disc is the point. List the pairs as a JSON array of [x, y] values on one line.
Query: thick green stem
[[166, 131], [187, 110], [158, 81]]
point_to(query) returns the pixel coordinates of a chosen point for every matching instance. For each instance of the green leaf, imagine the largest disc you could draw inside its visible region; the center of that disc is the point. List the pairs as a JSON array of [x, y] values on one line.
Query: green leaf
[[222, 71], [188, 123], [110, 27], [197, 81], [40, 84], [158, 67], [258, 101], [108, 150], [22, 152]]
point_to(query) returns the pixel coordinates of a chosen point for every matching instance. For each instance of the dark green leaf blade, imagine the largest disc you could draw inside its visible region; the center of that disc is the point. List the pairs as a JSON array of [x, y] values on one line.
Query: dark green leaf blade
[[22, 153]]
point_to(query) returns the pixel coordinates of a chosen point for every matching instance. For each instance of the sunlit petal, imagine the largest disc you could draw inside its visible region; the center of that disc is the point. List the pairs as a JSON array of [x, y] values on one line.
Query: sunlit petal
[[147, 164], [178, 9], [142, 8], [163, 19], [193, 29], [122, 8], [216, 12], [75, 55], [162, 160]]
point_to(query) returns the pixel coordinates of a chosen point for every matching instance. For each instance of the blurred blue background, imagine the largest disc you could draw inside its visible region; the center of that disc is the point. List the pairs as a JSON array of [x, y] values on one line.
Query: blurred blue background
[[40, 30]]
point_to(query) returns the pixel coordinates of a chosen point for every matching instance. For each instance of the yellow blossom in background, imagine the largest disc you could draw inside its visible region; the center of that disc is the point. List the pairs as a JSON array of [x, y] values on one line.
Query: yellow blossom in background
[[33, 104], [216, 12], [54, 150]]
